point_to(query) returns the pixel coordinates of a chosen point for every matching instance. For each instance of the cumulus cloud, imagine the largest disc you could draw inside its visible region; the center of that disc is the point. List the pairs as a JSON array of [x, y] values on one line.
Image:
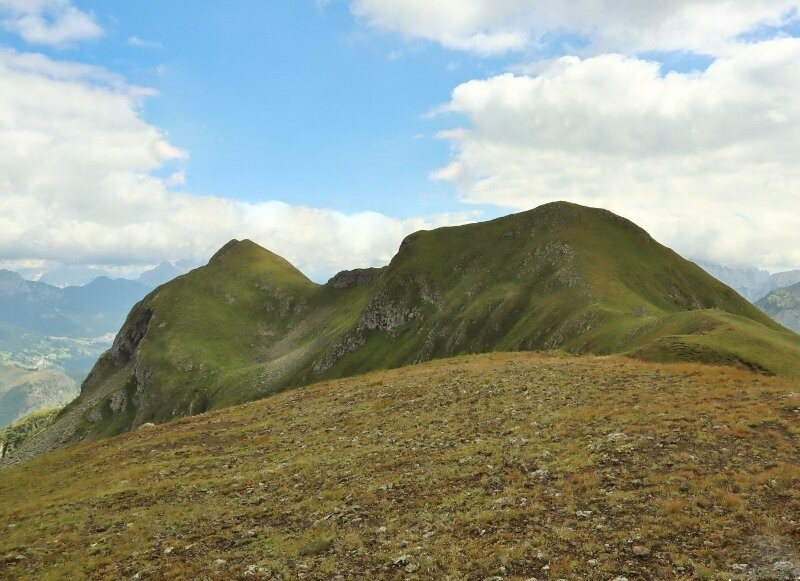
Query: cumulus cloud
[[708, 162], [78, 183], [497, 26], [49, 22]]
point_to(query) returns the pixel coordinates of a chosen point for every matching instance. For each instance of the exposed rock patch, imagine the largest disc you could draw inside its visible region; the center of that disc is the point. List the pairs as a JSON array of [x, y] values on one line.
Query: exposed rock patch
[[354, 278]]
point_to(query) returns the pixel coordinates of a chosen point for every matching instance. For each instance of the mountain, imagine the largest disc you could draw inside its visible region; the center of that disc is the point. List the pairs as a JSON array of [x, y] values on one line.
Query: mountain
[[67, 328], [752, 283], [101, 305], [164, 272], [784, 279], [86, 311], [499, 466], [72, 275], [51, 337], [24, 391], [561, 276], [783, 305]]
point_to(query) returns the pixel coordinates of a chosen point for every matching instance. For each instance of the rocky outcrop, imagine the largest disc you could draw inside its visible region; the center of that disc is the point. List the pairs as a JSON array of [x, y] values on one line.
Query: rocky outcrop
[[783, 305], [130, 336], [354, 278], [386, 314], [118, 402]]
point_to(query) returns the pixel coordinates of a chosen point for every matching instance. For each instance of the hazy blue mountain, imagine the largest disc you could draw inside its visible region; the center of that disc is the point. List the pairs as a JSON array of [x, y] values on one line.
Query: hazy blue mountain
[[101, 305], [784, 279], [50, 337], [157, 276], [71, 275], [750, 282], [75, 311], [166, 271]]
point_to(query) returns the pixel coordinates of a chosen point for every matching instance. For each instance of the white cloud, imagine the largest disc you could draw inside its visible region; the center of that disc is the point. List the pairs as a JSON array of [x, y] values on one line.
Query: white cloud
[[497, 26], [142, 43], [708, 162], [77, 184], [177, 178], [49, 22]]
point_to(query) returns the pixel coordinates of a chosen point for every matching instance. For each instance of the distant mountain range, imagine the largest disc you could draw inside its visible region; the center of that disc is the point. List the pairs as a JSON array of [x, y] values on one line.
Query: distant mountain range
[[78, 275], [51, 336], [74, 311], [752, 283], [562, 276]]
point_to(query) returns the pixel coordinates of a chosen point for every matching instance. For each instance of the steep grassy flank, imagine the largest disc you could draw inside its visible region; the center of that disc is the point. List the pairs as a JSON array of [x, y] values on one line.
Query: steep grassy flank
[[245, 326], [561, 276], [506, 465]]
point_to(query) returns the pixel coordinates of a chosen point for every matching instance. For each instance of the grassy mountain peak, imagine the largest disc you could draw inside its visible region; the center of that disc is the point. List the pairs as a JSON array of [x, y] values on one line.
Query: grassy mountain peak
[[561, 276]]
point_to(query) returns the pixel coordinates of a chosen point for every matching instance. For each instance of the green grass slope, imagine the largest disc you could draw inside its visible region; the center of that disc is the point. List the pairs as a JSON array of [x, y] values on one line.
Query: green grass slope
[[245, 326], [561, 276], [509, 466]]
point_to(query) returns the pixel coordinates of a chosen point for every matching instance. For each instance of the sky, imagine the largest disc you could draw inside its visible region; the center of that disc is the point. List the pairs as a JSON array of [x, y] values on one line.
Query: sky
[[326, 131]]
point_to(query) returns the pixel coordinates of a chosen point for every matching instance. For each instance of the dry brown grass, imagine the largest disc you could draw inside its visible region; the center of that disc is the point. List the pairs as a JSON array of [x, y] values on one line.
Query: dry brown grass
[[509, 465]]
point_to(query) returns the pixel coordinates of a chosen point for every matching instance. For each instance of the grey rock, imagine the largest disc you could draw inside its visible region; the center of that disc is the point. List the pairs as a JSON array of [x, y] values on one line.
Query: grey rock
[[541, 474], [94, 415], [118, 402], [783, 305], [354, 278]]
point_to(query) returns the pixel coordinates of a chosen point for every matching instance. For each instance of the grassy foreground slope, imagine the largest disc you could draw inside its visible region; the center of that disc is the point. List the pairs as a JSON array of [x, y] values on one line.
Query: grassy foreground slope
[[561, 276], [508, 466]]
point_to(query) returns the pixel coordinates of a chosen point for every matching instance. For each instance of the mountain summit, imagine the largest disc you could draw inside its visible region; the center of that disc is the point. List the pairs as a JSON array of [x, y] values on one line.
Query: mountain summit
[[561, 276]]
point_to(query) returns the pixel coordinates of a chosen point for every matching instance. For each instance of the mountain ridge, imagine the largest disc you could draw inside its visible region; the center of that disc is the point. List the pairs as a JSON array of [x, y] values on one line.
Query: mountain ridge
[[561, 276], [752, 283]]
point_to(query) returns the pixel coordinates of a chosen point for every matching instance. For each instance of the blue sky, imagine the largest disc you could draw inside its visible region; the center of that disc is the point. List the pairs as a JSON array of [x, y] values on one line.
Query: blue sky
[[287, 100], [307, 125]]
